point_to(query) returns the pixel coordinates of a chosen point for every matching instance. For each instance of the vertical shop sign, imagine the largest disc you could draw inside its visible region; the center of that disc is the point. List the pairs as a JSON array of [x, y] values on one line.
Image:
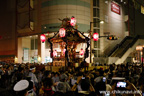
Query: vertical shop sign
[[115, 8]]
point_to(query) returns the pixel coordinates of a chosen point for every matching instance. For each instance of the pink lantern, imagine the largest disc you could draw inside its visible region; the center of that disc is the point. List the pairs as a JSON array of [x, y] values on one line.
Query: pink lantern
[[95, 36], [42, 37], [81, 52], [55, 53], [64, 51], [62, 32], [73, 21]]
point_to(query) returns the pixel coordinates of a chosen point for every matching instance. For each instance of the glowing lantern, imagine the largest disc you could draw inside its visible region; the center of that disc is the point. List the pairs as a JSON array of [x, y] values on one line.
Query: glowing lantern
[[64, 51], [81, 52], [73, 21], [42, 37], [95, 36], [62, 32], [55, 53]]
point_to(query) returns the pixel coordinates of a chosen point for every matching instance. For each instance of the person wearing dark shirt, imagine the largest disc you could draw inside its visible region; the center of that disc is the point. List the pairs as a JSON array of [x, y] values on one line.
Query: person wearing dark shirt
[[86, 86], [47, 87]]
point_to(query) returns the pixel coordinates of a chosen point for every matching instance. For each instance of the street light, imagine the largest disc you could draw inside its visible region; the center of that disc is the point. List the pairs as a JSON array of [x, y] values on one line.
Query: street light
[[101, 22]]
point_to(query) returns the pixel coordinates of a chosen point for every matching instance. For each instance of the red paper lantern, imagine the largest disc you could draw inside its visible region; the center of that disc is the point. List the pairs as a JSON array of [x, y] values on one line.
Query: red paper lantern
[[62, 32], [73, 21], [81, 52], [42, 37], [55, 53], [95, 36]]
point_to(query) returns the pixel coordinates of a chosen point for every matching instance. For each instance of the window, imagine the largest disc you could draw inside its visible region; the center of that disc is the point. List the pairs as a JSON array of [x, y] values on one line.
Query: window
[[96, 30], [34, 44], [96, 22], [96, 3], [95, 12]]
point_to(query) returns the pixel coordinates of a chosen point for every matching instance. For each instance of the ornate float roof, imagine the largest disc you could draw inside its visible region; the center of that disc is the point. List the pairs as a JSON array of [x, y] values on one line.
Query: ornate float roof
[[70, 37]]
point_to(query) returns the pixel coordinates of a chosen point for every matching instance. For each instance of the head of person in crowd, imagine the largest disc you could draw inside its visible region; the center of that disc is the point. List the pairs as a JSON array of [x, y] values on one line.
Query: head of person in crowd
[[101, 72], [32, 69], [86, 73], [1, 70], [63, 77], [1, 66], [61, 87], [106, 71], [47, 74], [85, 84], [20, 69], [100, 85], [48, 83], [52, 74], [31, 88], [57, 74], [21, 88], [8, 68]]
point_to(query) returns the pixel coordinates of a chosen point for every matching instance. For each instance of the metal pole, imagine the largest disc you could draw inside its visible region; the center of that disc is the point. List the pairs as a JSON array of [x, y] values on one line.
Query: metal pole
[[142, 61], [90, 41]]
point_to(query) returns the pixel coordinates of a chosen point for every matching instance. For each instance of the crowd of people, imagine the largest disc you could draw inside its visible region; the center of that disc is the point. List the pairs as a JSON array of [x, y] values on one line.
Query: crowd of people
[[35, 80]]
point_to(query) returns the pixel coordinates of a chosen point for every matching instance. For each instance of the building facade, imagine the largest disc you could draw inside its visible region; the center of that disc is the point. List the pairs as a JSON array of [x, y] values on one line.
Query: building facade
[[36, 17]]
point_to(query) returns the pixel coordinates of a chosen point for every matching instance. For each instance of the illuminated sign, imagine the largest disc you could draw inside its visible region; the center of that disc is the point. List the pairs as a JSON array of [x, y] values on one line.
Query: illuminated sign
[[115, 8]]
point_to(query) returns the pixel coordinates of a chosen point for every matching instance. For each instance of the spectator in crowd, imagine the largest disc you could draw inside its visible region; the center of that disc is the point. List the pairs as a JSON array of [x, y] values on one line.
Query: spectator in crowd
[[63, 81], [86, 86], [21, 88], [46, 89], [55, 77], [32, 75]]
